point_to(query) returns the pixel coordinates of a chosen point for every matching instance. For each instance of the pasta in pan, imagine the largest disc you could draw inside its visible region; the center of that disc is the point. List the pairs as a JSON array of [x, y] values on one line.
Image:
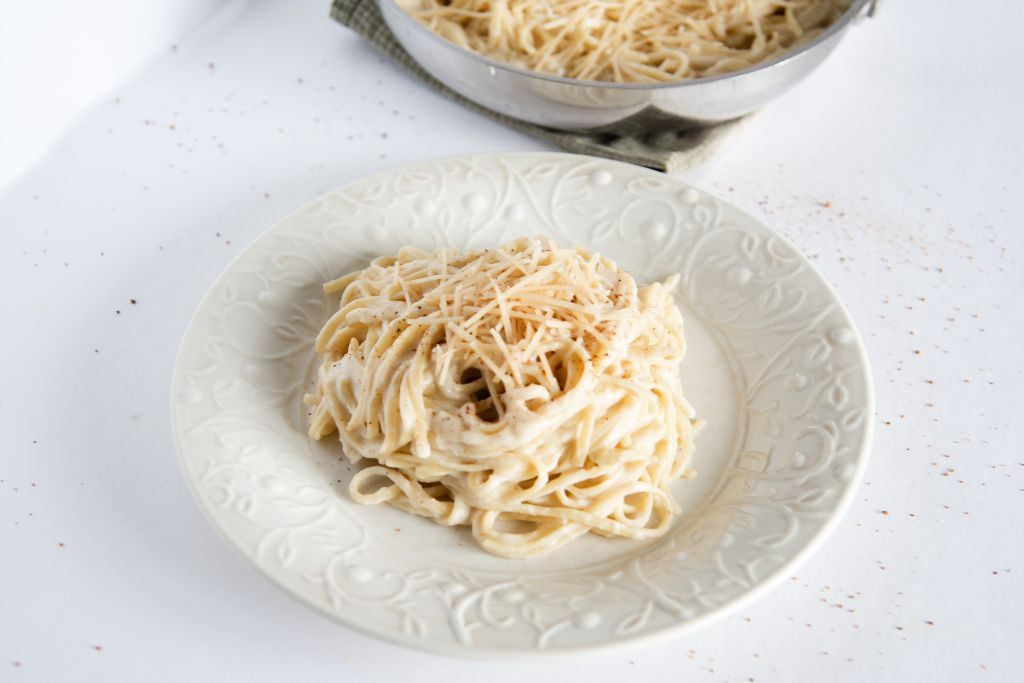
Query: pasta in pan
[[529, 391], [627, 41]]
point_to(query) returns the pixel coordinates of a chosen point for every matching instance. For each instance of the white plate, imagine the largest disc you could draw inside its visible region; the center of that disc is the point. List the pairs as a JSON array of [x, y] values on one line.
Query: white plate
[[774, 366]]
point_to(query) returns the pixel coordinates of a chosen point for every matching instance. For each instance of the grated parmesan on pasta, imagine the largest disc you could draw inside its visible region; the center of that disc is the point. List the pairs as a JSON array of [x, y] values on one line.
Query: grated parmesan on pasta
[[529, 391]]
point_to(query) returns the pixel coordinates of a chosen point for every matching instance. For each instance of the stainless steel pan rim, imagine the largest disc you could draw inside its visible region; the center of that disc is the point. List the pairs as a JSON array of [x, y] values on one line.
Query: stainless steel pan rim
[[857, 9]]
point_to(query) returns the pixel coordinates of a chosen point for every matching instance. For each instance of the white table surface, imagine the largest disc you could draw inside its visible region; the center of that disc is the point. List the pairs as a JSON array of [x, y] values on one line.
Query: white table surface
[[897, 167]]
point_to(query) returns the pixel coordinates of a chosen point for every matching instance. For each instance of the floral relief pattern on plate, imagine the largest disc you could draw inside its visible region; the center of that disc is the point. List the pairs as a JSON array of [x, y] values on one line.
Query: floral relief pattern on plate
[[777, 466]]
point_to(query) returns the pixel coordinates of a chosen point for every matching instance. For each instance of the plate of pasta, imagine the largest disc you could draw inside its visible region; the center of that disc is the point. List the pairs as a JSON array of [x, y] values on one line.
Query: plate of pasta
[[522, 405]]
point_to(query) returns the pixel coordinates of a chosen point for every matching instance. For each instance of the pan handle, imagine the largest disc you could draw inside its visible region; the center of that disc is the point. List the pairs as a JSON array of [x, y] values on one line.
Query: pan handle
[[866, 11]]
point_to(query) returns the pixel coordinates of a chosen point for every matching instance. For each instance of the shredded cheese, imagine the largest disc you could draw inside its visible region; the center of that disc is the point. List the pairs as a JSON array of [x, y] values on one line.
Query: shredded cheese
[[482, 385]]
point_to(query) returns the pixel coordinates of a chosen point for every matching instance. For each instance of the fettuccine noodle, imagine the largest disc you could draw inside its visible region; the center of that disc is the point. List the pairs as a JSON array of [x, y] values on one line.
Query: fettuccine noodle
[[529, 391], [627, 41]]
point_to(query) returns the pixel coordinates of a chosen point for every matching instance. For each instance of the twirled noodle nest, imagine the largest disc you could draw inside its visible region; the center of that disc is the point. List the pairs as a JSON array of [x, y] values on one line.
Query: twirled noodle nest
[[529, 391]]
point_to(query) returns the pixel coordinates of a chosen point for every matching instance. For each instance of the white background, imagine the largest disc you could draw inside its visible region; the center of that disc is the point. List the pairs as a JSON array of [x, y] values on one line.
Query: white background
[[897, 167], [57, 56]]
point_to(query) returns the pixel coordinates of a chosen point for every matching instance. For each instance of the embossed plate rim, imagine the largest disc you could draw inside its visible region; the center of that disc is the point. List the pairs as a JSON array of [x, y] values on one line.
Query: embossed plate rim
[[661, 633]]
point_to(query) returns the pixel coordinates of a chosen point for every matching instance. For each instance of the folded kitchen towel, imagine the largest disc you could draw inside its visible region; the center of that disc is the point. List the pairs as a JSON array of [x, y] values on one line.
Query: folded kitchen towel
[[646, 139]]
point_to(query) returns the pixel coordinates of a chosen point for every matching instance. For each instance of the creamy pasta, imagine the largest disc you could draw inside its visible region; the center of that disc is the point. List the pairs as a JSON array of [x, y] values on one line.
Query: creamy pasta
[[627, 41], [529, 391]]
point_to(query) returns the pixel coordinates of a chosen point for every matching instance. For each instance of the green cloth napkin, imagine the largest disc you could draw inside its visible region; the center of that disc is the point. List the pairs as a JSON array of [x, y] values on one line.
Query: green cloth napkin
[[670, 151]]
